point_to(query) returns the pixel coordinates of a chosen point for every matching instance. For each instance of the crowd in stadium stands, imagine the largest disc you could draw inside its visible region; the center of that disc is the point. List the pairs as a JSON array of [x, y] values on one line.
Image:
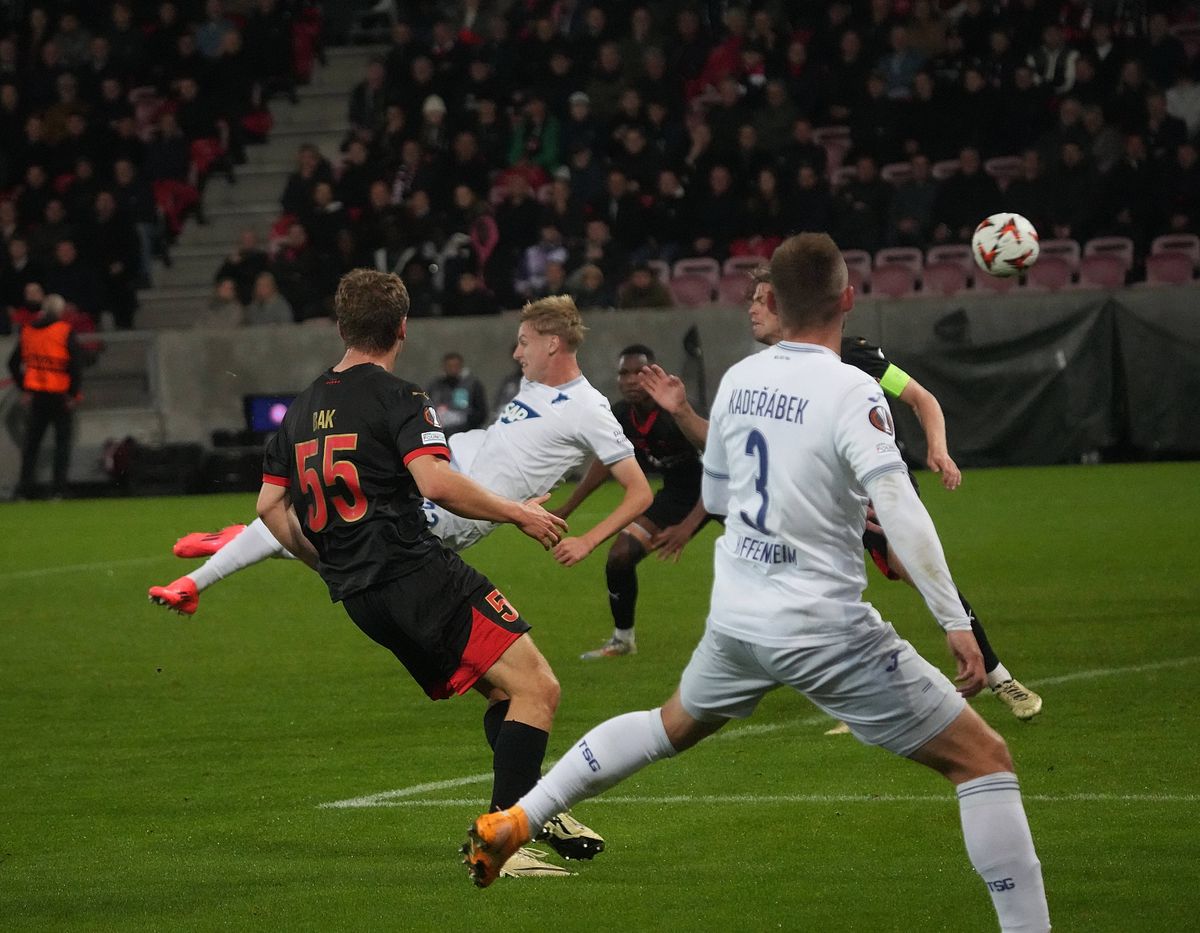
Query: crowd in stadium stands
[[112, 116], [570, 146]]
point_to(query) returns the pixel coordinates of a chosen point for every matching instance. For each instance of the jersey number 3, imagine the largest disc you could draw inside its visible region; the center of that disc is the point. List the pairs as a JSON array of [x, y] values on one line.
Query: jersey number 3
[[322, 486], [757, 444]]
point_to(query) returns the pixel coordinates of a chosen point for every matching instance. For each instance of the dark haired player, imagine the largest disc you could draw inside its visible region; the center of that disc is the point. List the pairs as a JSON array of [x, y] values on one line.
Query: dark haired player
[[343, 481], [859, 352], [674, 516]]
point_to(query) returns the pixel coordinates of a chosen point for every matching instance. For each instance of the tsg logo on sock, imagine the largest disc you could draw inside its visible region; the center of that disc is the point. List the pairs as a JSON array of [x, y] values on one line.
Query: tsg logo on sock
[[589, 756], [1004, 884]]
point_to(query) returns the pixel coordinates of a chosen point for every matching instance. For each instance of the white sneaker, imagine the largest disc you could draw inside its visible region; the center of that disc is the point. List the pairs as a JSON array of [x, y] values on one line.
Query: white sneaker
[[570, 838], [613, 648], [1024, 703], [531, 863]]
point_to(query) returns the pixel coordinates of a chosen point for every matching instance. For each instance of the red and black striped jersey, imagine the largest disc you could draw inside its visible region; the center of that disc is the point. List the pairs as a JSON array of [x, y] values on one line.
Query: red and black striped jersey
[[343, 450]]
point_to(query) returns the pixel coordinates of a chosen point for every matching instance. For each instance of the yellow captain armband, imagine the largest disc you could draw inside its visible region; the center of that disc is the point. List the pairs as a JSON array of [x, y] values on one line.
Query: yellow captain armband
[[894, 380]]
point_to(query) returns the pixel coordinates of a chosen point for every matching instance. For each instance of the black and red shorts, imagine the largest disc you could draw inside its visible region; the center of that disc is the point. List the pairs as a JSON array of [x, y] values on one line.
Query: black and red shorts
[[876, 542], [446, 623]]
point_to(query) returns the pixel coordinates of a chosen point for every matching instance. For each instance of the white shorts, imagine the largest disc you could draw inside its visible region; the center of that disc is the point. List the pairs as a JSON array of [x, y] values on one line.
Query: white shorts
[[454, 531], [879, 686]]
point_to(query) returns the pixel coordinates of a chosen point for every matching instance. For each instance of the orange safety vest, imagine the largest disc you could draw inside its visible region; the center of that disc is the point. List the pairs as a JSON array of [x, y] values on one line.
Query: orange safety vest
[[46, 357]]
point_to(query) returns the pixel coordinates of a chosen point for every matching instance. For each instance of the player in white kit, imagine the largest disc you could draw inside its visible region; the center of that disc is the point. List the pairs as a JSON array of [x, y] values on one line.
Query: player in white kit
[[556, 422], [797, 444]]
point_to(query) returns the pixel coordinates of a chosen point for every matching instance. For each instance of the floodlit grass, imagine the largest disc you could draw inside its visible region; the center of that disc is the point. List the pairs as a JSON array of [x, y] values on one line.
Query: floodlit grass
[[160, 773]]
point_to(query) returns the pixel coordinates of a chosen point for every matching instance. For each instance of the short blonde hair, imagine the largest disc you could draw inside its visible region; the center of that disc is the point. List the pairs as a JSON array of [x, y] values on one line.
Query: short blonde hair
[[558, 316], [808, 276]]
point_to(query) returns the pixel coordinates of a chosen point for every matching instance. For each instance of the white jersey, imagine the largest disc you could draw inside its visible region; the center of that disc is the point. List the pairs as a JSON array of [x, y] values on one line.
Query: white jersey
[[540, 435], [796, 434]]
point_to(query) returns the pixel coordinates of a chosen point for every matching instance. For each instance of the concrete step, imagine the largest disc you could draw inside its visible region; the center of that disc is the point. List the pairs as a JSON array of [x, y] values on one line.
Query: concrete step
[[162, 314], [190, 269], [222, 229], [253, 186], [285, 143], [316, 106]]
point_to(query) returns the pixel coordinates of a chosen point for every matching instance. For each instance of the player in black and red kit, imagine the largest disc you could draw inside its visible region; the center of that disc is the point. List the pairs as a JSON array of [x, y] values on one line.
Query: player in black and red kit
[[343, 482], [674, 516]]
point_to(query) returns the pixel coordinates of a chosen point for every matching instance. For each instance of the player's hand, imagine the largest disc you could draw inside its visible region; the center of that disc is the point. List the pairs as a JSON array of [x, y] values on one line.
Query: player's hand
[[534, 521], [570, 551], [667, 390], [873, 520], [941, 462], [970, 677], [670, 542]]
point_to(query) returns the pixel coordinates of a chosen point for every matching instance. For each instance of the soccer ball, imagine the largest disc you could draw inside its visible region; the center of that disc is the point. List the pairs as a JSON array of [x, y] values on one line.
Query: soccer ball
[[1005, 245]]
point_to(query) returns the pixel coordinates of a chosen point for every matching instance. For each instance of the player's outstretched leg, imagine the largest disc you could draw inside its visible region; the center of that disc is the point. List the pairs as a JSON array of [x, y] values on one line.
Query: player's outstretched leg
[[566, 835], [620, 572], [252, 544], [971, 755], [206, 543]]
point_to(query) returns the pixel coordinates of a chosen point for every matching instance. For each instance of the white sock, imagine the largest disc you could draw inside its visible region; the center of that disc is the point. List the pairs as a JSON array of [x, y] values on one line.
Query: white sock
[[608, 754], [998, 675], [623, 634], [1001, 849], [254, 544]]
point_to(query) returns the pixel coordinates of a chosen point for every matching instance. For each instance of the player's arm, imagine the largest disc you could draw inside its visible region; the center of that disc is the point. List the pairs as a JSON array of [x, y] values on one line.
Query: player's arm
[[461, 495], [636, 499], [670, 542], [911, 535], [275, 510], [593, 478], [670, 395], [933, 422]]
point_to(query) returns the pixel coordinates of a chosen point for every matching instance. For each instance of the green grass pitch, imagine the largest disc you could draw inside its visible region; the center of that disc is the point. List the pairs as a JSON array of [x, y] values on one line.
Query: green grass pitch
[[159, 773]]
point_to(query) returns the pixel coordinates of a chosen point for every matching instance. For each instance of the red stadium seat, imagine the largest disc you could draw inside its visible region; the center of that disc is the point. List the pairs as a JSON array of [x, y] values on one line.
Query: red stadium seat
[[906, 257], [957, 253], [1066, 250], [893, 282], [1048, 274], [835, 140], [1187, 244], [944, 278], [1169, 269], [1103, 271], [858, 261], [660, 269], [690, 291], [945, 168], [896, 173], [995, 284], [840, 177], [700, 266], [1118, 247], [733, 289], [741, 265]]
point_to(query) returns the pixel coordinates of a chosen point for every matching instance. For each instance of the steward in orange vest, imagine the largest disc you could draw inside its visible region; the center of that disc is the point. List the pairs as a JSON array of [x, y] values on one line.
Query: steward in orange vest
[[47, 364]]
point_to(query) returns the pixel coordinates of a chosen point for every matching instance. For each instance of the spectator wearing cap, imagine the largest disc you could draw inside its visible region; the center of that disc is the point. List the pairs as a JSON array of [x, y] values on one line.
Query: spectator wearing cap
[[643, 290], [580, 128], [535, 136], [434, 135]]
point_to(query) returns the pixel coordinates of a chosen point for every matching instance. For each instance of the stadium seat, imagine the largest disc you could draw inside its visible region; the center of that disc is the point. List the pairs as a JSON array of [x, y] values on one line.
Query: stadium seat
[[945, 168], [1118, 247], [1102, 271], [858, 280], [944, 278], [1185, 243], [741, 265], [893, 281], [858, 261], [835, 140], [906, 257], [1066, 250], [994, 284], [707, 269], [957, 253], [896, 173], [660, 269], [1169, 269], [733, 289], [842, 176], [1004, 169], [690, 291], [1049, 274]]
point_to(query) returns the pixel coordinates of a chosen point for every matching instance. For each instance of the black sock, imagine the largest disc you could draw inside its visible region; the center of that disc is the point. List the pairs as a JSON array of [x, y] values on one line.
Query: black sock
[[990, 661], [622, 592], [493, 719], [516, 762]]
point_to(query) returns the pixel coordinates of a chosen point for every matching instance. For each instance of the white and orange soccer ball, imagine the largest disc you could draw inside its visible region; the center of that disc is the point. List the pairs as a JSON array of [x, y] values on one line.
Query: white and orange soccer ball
[[1005, 245]]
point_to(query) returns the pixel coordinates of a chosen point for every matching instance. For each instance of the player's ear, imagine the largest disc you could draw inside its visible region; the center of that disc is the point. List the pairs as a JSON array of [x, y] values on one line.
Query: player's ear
[[846, 301], [402, 334]]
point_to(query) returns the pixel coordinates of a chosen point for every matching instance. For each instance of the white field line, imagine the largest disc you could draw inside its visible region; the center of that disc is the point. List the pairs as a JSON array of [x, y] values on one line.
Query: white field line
[[394, 798], [77, 568], [758, 799]]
